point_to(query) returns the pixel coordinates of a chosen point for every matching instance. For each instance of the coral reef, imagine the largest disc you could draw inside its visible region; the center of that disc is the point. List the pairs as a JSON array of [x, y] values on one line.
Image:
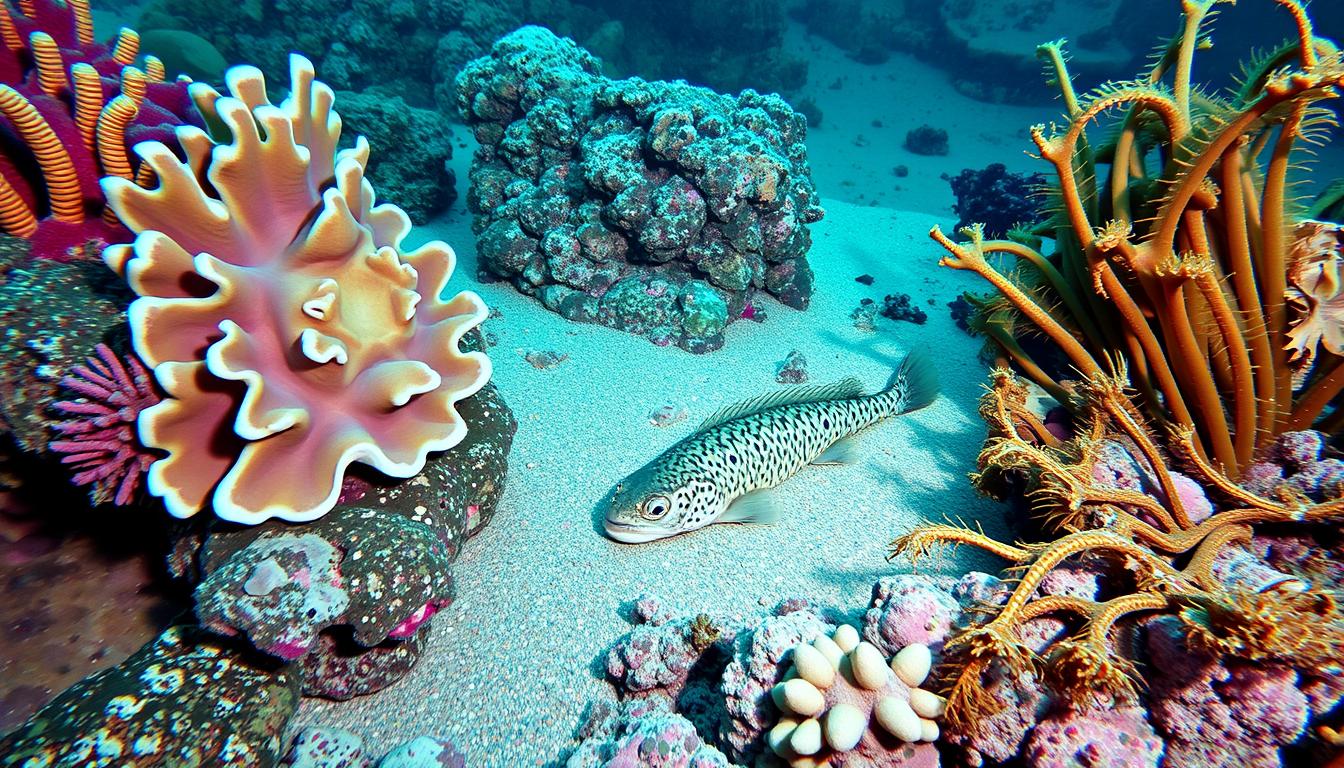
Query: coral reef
[[1128, 544], [658, 208], [414, 50], [186, 698], [72, 108], [999, 200], [868, 31], [409, 151], [291, 334], [1171, 245], [984, 46]]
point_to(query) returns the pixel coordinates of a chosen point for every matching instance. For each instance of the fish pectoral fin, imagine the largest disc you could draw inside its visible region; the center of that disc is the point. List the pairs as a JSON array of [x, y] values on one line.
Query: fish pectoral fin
[[752, 507], [842, 451]]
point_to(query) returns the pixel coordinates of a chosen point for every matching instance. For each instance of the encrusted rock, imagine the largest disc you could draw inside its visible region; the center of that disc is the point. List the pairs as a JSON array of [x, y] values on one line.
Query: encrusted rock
[[658, 208], [187, 698]]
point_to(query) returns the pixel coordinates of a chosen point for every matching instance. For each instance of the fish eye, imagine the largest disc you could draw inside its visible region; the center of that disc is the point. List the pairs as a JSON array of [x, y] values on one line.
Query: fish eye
[[655, 508]]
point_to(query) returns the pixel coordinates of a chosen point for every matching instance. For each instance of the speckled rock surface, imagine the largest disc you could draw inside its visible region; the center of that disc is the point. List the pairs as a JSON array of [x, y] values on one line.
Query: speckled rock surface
[[379, 563], [410, 148], [645, 733], [185, 700], [659, 208], [340, 668], [316, 747], [52, 315]]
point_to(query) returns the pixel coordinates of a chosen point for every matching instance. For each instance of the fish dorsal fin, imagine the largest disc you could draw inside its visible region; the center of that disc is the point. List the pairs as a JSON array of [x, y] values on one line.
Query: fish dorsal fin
[[844, 389]]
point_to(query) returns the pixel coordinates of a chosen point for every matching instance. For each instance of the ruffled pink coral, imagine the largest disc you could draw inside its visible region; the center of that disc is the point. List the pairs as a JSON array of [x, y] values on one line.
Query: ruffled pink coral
[[291, 332], [98, 440]]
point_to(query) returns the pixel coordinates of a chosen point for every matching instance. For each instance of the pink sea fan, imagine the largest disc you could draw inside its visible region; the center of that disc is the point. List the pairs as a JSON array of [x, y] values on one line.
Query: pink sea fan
[[99, 439]]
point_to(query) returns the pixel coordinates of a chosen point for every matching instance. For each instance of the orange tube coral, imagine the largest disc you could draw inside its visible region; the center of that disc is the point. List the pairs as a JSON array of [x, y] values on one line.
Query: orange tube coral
[[67, 204]]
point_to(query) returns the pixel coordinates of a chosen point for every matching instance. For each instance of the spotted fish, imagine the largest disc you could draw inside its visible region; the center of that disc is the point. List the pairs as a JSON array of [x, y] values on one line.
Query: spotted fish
[[723, 471]]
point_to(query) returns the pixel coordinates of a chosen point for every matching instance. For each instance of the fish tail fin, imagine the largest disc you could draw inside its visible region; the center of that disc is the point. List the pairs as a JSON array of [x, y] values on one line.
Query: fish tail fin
[[917, 379]]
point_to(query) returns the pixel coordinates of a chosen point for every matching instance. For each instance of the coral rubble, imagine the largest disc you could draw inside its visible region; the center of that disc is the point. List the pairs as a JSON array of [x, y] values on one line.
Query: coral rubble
[[659, 208]]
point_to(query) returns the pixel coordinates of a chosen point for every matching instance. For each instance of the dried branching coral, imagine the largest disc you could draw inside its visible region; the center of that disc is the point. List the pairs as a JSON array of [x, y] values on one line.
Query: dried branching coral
[[72, 107], [291, 333], [1171, 242], [1168, 556]]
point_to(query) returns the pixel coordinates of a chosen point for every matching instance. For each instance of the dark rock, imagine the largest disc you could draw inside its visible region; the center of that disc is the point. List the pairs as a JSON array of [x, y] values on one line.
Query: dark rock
[[927, 140], [188, 697], [340, 668], [409, 151], [792, 369], [996, 198], [901, 307]]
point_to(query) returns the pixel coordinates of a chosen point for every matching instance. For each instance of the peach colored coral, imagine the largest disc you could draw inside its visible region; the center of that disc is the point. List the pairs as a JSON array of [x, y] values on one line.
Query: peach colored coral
[[1315, 292], [291, 332]]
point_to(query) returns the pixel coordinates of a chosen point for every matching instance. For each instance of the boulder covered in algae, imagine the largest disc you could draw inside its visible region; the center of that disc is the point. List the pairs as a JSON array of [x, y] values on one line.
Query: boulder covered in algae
[[659, 208], [188, 698], [377, 567]]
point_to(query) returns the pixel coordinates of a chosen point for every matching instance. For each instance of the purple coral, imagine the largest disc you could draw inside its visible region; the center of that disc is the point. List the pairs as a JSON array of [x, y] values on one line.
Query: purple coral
[[99, 440], [1216, 712], [1117, 739]]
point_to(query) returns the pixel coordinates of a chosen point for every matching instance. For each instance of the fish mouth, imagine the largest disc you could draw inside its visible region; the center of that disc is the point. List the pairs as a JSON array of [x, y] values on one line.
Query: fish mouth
[[628, 534]]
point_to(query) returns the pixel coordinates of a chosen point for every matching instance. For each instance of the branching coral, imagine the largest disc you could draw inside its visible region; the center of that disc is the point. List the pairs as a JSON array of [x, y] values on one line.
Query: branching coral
[[1167, 561], [71, 108], [291, 333], [1171, 242]]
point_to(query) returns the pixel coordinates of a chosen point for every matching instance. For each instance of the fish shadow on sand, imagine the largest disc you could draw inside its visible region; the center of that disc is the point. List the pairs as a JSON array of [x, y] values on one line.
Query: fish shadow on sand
[[949, 497]]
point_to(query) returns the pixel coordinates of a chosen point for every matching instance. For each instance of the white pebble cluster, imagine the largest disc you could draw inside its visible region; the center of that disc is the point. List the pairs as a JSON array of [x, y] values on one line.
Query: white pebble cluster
[[838, 685]]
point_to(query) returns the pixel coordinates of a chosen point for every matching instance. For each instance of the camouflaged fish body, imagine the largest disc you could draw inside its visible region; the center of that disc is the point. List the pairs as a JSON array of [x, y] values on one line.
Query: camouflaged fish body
[[719, 473]]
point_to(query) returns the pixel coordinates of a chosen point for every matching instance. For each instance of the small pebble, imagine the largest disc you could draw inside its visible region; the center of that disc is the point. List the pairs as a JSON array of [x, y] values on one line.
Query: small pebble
[[668, 413], [544, 360]]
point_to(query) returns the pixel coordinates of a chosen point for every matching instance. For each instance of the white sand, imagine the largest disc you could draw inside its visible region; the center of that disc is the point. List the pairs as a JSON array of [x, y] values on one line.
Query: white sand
[[508, 672]]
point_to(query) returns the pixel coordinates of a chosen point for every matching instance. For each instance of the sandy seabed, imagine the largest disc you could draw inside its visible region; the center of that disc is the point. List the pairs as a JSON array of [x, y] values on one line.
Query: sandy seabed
[[516, 659], [510, 667]]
